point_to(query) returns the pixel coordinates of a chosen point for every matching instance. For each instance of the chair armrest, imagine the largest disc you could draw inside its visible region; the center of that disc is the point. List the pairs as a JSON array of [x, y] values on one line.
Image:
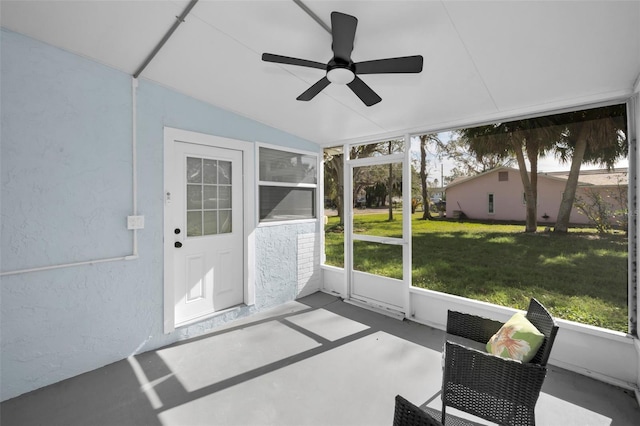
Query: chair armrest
[[471, 326], [546, 324]]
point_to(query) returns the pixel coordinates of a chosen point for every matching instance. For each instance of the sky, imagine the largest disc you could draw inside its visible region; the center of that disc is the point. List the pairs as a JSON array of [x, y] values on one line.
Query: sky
[[545, 164]]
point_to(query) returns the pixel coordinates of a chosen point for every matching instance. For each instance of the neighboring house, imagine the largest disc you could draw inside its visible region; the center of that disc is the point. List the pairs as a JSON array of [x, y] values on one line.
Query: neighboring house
[[436, 194], [498, 194]]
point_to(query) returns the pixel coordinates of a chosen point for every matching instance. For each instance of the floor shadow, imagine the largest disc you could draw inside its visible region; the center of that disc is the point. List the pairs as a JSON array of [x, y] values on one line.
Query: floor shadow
[[109, 396], [172, 393], [410, 331], [274, 351], [592, 395]]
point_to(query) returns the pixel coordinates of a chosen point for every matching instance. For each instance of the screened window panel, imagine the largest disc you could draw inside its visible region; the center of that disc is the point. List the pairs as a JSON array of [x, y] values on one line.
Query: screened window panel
[[288, 183], [283, 203], [289, 167], [377, 149]]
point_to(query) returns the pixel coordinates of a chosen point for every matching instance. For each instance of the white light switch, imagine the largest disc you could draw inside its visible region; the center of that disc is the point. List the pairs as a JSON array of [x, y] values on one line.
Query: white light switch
[[135, 222]]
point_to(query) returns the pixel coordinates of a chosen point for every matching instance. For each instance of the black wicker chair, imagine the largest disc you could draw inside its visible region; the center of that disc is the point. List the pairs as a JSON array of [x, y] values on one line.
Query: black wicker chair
[[493, 388], [407, 414]]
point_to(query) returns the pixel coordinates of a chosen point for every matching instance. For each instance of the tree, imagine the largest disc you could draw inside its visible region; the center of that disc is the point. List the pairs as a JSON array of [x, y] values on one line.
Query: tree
[[606, 208], [524, 139], [620, 200], [424, 140], [416, 186], [595, 136], [594, 206], [334, 171], [334, 179], [467, 163], [390, 184]]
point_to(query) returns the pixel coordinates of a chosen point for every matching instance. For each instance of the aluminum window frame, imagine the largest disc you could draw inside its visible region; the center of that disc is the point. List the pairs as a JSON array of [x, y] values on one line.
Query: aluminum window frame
[[291, 185]]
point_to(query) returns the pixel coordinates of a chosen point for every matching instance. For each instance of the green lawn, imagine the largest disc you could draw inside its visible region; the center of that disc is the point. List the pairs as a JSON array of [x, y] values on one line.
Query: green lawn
[[580, 276]]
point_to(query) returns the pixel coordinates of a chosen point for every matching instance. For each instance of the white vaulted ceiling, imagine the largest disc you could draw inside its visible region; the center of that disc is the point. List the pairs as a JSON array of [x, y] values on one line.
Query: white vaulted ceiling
[[482, 60]]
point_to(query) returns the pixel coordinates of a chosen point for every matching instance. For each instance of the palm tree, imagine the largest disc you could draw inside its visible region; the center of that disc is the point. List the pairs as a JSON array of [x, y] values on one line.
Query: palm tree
[[596, 136], [466, 162], [524, 139]]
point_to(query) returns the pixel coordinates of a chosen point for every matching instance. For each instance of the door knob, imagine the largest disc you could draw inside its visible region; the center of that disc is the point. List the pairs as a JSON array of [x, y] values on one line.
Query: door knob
[[177, 244], [176, 231]]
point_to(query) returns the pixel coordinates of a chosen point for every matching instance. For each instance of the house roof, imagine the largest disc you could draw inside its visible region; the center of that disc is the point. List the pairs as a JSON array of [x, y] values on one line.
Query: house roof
[[598, 177], [462, 179], [483, 60]]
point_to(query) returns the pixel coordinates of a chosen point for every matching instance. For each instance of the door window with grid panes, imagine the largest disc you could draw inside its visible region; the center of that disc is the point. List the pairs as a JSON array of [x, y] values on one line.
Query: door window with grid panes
[[208, 197]]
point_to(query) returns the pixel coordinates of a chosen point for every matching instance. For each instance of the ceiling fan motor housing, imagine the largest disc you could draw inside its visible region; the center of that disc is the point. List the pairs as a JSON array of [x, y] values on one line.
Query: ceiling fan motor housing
[[340, 72]]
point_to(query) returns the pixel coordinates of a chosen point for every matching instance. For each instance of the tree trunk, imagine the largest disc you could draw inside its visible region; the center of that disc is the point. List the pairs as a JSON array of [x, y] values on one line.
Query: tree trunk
[[531, 224], [340, 206], [569, 194], [532, 195], [338, 169], [390, 191], [390, 186], [423, 178]]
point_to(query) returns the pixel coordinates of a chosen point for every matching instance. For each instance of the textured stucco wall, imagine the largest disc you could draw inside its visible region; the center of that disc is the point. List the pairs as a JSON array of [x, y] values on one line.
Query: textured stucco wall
[[66, 187], [277, 261]]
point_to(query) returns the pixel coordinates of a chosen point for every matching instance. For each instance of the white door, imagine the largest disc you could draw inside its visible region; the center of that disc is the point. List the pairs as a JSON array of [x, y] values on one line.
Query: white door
[[206, 236], [377, 254]]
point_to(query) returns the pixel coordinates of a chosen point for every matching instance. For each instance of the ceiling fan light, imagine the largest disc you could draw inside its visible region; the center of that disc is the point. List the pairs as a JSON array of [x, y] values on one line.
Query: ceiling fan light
[[340, 75]]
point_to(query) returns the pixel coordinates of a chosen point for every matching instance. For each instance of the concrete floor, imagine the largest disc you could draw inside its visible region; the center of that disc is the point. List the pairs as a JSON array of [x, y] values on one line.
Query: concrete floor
[[317, 361]]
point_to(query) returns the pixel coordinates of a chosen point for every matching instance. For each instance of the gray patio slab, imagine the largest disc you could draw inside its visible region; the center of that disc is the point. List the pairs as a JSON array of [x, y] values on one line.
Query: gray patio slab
[[315, 361]]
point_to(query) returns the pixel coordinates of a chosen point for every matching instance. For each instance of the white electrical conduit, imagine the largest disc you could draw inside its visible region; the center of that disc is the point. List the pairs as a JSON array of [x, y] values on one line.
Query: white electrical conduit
[[134, 85], [313, 15], [134, 255]]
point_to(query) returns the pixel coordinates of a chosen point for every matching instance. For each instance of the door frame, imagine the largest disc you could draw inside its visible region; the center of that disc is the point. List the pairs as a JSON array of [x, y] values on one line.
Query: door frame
[[349, 164], [172, 135]]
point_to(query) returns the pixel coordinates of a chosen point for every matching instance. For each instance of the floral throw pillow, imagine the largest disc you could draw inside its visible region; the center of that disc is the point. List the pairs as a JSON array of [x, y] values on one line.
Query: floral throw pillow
[[517, 339]]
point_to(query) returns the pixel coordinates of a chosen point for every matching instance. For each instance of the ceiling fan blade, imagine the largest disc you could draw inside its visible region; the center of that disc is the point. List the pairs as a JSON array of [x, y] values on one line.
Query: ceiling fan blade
[[405, 64], [312, 91], [279, 59], [343, 30], [364, 92]]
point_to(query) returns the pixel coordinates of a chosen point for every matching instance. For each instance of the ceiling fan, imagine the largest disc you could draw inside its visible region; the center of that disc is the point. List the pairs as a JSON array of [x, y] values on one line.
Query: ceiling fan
[[342, 70]]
